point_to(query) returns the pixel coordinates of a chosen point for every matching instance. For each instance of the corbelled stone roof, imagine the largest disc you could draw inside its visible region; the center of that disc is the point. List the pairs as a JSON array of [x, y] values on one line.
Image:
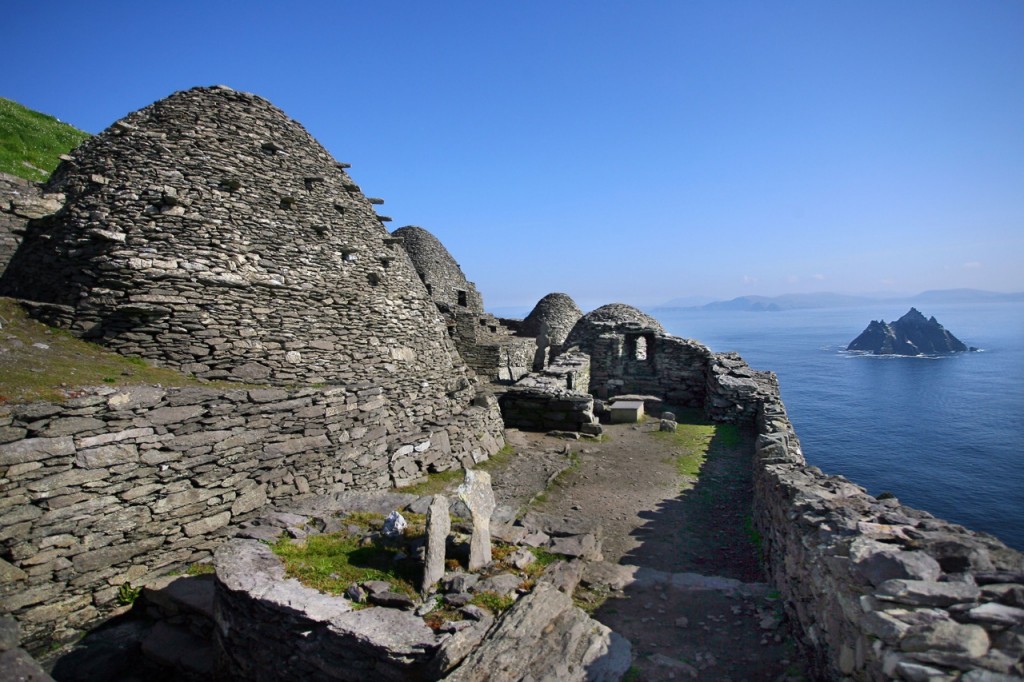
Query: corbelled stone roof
[[614, 317], [555, 315], [212, 233], [440, 272]]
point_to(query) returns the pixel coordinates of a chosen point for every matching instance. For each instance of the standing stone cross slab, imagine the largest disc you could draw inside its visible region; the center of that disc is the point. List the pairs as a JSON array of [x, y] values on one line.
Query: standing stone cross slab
[[476, 492], [439, 524]]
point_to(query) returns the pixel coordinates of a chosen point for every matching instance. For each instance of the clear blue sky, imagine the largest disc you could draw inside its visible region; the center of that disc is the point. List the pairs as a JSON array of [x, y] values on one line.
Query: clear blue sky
[[617, 151]]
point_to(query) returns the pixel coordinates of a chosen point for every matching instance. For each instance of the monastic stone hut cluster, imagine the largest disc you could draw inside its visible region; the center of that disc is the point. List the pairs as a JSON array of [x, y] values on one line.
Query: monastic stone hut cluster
[[210, 233]]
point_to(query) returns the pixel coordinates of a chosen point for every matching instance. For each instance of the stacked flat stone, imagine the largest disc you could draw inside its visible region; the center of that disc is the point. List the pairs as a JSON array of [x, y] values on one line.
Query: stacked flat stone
[[493, 350], [20, 201], [613, 317], [879, 590], [211, 233], [445, 280], [554, 316], [125, 484]]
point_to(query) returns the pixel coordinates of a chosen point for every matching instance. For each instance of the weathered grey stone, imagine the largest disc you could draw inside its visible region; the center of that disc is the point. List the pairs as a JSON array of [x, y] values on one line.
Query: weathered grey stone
[[614, 576], [439, 525], [562, 641], [978, 675], [477, 494], [879, 562], [135, 397], [247, 502], [460, 582], [69, 426], [884, 626], [454, 649], [10, 633], [107, 456], [18, 666], [503, 584], [948, 637], [395, 600], [563, 575], [207, 524], [170, 415], [927, 593], [916, 672], [113, 554], [997, 614], [32, 449], [583, 546], [10, 573], [521, 558]]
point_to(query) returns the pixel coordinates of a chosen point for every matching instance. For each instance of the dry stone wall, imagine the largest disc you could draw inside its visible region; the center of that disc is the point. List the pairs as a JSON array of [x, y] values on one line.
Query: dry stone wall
[[124, 485], [20, 201], [880, 590], [553, 398]]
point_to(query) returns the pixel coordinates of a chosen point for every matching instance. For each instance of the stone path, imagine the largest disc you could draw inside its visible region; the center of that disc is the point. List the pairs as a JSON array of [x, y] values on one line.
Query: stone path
[[696, 606]]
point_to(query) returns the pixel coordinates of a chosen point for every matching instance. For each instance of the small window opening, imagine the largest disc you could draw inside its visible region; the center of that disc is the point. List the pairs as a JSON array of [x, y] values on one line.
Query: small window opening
[[463, 300], [640, 348]]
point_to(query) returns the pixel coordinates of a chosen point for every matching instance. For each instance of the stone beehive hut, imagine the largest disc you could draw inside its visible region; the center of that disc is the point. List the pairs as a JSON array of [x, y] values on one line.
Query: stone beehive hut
[[487, 344], [614, 317], [554, 316], [211, 233], [441, 275]]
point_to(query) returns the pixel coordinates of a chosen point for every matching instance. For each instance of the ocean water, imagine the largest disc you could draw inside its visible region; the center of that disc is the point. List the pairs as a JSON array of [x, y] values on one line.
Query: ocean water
[[943, 434]]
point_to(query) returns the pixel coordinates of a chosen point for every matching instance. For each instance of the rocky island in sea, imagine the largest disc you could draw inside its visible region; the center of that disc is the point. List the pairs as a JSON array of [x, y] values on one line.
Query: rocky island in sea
[[912, 334]]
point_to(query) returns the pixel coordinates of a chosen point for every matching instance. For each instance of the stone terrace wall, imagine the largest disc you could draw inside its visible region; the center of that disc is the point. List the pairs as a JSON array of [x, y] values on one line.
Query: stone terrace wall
[[491, 349], [880, 590], [553, 398], [124, 485]]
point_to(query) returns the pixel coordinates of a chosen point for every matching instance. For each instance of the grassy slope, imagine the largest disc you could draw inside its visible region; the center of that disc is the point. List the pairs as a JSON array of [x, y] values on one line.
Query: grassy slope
[[31, 143], [41, 363]]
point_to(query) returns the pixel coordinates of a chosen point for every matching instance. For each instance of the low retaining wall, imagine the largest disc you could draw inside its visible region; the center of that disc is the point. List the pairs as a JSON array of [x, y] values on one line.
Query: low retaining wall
[[123, 485], [553, 398], [879, 590]]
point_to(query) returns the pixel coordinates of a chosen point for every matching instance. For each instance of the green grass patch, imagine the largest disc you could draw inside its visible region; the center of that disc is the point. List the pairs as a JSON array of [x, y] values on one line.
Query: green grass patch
[[332, 563], [33, 372], [200, 569], [31, 143], [493, 602], [695, 440], [590, 599]]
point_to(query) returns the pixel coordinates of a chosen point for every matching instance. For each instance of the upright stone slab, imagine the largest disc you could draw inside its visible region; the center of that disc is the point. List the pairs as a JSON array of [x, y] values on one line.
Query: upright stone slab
[[439, 524], [476, 492]]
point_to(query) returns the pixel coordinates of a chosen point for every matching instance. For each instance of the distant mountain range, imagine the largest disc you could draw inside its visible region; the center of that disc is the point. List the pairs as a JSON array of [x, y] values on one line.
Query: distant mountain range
[[831, 300]]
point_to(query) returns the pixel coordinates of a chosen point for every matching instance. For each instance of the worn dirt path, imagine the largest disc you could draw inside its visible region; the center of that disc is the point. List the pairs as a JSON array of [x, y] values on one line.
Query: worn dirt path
[[657, 518]]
